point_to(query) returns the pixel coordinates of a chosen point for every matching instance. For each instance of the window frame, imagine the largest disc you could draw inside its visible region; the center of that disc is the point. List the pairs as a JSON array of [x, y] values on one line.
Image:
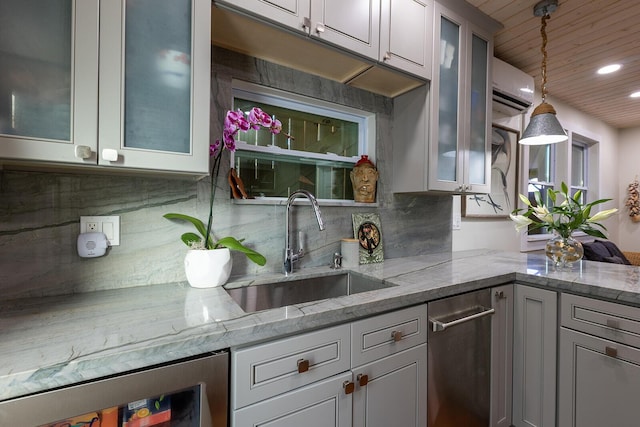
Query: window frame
[[562, 173], [262, 94]]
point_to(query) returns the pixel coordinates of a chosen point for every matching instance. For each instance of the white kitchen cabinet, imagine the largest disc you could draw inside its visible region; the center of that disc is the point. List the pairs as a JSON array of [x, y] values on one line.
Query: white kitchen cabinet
[[350, 24], [321, 404], [369, 373], [389, 365], [460, 152], [442, 133], [406, 36], [502, 356], [599, 372], [131, 86], [534, 357], [392, 391]]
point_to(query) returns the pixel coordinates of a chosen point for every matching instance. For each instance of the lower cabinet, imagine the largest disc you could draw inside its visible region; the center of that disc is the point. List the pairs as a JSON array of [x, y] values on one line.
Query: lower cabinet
[[502, 356], [599, 380], [534, 357], [394, 391], [369, 373], [321, 404]]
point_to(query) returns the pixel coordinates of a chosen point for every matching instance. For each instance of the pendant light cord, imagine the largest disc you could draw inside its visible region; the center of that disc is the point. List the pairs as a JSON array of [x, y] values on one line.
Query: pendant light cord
[[543, 49]]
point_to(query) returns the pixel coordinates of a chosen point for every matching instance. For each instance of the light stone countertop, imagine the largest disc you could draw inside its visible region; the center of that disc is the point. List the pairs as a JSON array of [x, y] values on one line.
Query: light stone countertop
[[57, 341]]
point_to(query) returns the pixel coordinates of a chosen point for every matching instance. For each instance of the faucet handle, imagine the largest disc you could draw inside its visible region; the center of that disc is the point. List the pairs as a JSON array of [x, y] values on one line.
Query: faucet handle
[[301, 242], [337, 261]]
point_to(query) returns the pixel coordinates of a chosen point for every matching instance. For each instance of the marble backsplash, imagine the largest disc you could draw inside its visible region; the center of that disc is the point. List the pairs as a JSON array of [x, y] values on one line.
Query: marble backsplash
[[40, 211]]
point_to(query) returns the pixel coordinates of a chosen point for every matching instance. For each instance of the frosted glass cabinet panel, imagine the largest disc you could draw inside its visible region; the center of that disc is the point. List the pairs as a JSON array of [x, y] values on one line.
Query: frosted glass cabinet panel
[[478, 112], [154, 74], [48, 78], [448, 100]]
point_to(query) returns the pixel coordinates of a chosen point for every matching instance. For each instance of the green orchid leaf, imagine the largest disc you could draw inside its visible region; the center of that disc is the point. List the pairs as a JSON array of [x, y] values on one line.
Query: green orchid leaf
[[199, 225], [595, 233], [235, 245], [190, 238]]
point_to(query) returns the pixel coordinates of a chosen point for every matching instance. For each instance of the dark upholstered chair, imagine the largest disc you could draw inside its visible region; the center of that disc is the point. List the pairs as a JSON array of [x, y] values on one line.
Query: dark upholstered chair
[[604, 251]]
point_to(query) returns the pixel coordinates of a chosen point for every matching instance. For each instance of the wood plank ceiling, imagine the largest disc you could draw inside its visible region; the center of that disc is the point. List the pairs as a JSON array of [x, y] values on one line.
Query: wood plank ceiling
[[583, 35]]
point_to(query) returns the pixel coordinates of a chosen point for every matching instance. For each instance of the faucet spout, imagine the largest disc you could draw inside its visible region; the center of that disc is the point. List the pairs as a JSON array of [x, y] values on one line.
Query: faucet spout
[[291, 256]]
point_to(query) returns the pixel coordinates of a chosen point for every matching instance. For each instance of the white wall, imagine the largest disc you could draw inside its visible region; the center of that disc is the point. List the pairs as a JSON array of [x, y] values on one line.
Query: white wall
[[496, 233], [500, 234], [629, 169]]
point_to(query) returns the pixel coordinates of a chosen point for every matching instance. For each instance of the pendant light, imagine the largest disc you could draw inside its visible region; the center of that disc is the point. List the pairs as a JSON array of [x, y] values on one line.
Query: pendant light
[[544, 127]]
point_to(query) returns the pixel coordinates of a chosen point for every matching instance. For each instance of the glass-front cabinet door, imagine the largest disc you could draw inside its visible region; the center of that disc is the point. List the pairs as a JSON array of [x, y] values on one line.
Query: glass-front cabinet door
[[114, 83], [479, 107], [459, 153], [154, 84], [48, 80]]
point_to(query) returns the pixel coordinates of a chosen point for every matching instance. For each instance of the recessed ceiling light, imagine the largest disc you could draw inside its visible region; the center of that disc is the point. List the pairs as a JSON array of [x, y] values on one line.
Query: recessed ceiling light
[[609, 69], [635, 95]]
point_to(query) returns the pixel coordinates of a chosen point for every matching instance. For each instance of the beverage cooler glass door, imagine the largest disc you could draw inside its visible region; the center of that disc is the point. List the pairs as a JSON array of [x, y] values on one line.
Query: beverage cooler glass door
[[192, 393]]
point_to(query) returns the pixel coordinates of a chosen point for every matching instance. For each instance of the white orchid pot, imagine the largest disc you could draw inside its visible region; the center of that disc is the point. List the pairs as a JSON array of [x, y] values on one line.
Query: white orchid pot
[[208, 268]]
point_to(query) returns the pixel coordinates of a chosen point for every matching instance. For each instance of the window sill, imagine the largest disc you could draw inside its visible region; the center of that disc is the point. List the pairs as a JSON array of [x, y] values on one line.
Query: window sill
[[282, 201]]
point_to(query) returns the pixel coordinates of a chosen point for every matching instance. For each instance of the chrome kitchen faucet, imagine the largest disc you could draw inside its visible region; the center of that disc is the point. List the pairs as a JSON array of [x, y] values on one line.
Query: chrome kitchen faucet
[[291, 256]]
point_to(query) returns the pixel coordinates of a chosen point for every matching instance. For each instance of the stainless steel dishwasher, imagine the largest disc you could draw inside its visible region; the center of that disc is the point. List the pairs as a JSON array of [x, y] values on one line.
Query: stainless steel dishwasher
[[459, 360]]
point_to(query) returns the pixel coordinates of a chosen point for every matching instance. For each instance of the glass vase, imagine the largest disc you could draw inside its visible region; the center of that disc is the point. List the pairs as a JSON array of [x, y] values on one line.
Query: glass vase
[[564, 251]]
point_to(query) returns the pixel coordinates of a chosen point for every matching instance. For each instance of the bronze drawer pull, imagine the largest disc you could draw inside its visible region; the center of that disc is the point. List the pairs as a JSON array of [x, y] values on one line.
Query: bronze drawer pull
[[363, 379], [611, 351], [303, 365], [349, 387], [396, 335]]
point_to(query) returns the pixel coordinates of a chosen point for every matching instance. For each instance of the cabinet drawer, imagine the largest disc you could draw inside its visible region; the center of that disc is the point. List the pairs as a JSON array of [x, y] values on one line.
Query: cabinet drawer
[[270, 369], [380, 336], [615, 322]]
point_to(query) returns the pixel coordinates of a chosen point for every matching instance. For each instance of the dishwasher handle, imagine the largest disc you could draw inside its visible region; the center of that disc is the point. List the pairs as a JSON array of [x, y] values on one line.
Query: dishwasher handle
[[441, 326]]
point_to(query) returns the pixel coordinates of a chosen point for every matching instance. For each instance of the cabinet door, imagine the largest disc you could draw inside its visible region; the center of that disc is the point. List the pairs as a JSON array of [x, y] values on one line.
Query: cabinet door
[[49, 84], [406, 35], [534, 357], [478, 113], [446, 149], [322, 404], [477, 118], [290, 13], [351, 24], [394, 392], [599, 382], [501, 356], [154, 84]]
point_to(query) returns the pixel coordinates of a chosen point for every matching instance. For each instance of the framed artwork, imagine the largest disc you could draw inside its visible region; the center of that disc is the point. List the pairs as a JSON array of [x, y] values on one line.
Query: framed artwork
[[366, 228], [504, 177]]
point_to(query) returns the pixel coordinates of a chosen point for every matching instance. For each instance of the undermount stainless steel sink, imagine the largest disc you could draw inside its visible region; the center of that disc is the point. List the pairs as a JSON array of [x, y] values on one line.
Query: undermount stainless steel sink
[[279, 294]]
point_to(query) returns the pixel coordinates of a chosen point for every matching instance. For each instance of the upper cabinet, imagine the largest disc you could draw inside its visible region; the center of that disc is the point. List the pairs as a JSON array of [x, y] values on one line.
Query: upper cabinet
[[461, 105], [443, 135], [353, 24], [406, 35], [111, 83], [381, 46]]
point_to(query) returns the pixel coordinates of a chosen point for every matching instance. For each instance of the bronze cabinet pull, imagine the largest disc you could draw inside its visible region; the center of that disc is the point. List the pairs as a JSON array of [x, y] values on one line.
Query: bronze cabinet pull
[[303, 365], [349, 387], [363, 379]]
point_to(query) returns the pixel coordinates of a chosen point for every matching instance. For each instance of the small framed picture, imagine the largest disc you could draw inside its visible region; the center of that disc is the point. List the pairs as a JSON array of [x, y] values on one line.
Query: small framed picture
[[367, 229], [504, 178]]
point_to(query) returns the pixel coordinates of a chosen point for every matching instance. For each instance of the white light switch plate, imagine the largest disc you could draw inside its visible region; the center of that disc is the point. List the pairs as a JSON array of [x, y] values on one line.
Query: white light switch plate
[[109, 225]]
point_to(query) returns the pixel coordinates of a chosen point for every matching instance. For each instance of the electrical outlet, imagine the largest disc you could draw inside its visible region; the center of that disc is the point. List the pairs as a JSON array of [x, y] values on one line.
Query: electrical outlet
[[109, 225]]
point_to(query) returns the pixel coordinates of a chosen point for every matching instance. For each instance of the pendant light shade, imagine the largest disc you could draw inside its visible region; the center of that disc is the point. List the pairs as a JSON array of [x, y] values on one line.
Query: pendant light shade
[[544, 127]]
